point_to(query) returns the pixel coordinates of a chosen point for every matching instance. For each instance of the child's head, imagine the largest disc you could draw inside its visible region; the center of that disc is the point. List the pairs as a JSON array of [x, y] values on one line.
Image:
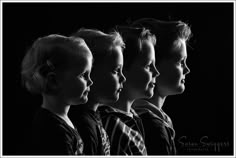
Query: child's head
[[171, 53], [58, 66], [139, 61], [108, 63]]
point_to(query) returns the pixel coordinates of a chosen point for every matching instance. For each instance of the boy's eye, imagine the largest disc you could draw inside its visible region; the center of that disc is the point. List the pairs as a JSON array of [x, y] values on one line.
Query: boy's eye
[[181, 63], [117, 70], [148, 66], [83, 75]]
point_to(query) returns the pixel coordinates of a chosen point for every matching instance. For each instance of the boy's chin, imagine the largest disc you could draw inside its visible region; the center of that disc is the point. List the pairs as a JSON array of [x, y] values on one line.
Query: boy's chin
[[148, 94], [81, 100], [115, 98], [110, 100], [178, 90], [84, 100]]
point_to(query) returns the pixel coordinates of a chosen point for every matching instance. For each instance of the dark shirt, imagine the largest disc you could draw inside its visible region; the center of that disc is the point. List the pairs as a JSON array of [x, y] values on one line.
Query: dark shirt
[[125, 132], [89, 125], [51, 135], [158, 127]]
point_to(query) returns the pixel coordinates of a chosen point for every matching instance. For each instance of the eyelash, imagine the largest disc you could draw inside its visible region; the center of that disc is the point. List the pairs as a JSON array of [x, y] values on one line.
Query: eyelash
[[117, 70], [83, 75], [148, 66], [181, 62]]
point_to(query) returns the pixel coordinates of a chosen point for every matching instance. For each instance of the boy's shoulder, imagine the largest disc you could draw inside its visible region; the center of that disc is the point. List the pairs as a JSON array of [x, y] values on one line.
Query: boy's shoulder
[[147, 110], [110, 115], [106, 111], [47, 125], [153, 117], [82, 115], [46, 118], [86, 121]]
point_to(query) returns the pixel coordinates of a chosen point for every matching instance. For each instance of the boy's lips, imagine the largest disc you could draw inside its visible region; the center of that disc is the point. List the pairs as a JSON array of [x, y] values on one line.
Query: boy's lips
[[152, 84], [87, 91], [120, 89]]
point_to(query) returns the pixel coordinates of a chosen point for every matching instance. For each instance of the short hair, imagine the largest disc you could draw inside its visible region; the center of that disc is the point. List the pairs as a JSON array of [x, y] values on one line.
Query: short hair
[[51, 53], [167, 32], [134, 38], [99, 42]]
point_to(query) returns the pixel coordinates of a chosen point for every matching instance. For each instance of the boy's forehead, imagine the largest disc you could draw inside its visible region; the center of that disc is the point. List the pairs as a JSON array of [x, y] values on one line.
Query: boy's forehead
[[178, 54], [82, 52], [113, 58], [147, 53], [80, 57], [115, 53]]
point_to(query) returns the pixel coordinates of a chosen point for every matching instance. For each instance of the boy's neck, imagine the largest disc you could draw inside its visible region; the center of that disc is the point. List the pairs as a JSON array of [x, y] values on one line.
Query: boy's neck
[[157, 100], [124, 103], [55, 106], [92, 105]]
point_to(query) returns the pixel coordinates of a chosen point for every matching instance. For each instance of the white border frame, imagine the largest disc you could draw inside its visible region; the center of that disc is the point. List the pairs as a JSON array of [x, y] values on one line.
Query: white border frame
[[124, 1]]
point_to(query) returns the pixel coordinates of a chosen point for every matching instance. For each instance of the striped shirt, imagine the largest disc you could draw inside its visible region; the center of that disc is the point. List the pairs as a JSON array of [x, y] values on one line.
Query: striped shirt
[[125, 132]]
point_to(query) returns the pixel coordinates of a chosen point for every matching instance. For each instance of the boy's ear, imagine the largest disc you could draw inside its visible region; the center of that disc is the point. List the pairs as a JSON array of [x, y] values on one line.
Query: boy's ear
[[52, 85]]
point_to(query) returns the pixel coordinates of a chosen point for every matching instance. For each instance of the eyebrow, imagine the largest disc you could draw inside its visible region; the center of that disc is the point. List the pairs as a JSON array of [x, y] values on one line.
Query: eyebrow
[[119, 65], [115, 66], [178, 57]]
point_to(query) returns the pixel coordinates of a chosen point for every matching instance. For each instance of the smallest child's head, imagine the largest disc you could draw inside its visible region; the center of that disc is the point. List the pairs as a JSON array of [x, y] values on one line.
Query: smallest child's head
[[58, 66]]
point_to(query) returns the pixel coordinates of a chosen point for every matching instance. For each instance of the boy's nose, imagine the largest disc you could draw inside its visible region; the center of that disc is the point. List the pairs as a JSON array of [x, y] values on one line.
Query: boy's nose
[[155, 72], [122, 78], [90, 82], [186, 70]]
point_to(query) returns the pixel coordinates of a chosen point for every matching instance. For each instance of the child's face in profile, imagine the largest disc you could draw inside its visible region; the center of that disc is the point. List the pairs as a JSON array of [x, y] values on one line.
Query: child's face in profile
[[74, 83], [141, 76], [173, 71], [108, 78]]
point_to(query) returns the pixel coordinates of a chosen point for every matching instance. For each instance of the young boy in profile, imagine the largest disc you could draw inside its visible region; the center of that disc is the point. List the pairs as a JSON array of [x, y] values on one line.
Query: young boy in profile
[[58, 68], [171, 57], [108, 82], [121, 122]]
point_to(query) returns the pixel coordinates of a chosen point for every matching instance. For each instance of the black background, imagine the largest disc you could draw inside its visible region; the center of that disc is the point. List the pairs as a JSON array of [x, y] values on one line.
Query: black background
[[204, 110]]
